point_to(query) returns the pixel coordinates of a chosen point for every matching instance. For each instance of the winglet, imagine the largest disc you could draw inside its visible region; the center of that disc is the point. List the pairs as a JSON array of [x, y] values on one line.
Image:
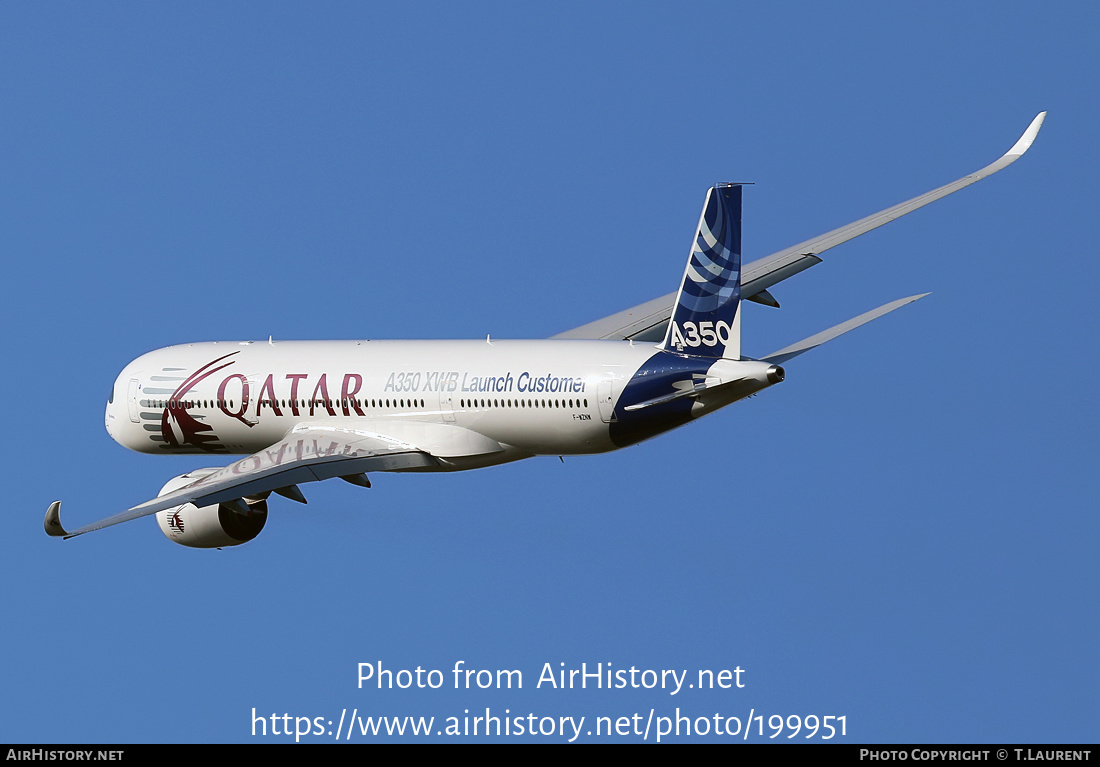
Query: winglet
[[1028, 138], [53, 521]]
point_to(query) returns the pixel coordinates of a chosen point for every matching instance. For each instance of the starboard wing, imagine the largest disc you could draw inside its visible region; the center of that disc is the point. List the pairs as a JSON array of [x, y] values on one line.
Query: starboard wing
[[307, 454]]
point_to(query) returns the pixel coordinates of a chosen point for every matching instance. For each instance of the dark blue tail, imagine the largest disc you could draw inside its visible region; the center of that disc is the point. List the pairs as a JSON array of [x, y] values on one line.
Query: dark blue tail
[[706, 320]]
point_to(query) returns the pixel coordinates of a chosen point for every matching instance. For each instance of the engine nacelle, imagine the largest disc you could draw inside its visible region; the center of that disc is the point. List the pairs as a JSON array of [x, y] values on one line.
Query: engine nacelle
[[209, 527]]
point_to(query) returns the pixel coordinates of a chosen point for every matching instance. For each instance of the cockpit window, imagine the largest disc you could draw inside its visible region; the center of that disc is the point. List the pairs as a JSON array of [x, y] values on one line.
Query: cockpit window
[[111, 395]]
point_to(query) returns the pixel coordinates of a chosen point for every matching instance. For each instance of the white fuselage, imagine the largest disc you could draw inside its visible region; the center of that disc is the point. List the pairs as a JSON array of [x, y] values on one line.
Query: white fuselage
[[531, 397]]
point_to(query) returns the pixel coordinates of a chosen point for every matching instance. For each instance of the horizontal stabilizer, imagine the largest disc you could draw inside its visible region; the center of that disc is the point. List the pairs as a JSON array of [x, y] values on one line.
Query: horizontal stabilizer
[[754, 378], [683, 389], [814, 341]]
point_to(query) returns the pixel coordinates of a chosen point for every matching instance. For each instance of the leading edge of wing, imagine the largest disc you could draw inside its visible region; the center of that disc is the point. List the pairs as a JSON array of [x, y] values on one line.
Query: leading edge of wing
[[761, 274], [307, 454]]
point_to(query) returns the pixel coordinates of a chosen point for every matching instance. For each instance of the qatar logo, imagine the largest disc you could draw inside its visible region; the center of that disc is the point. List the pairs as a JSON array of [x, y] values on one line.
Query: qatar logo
[[175, 522], [177, 426]]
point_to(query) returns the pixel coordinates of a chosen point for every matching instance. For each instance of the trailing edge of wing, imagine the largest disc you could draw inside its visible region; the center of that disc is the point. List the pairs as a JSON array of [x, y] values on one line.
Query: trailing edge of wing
[[304, 455], [818, 339], [644, 321]]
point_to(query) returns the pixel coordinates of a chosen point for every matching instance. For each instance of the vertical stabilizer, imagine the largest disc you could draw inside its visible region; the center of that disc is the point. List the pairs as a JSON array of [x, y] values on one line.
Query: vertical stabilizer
[[706, 319]]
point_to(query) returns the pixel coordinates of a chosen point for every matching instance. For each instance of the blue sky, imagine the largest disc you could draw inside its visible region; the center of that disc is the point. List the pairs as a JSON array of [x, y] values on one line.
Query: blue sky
[[901, 533]]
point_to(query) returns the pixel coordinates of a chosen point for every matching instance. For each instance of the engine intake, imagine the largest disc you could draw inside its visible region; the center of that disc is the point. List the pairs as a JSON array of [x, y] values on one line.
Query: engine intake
[[210, 527]]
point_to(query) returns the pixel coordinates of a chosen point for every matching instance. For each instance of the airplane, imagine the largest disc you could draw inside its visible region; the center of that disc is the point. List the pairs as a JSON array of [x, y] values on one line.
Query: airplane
[[304, 411]]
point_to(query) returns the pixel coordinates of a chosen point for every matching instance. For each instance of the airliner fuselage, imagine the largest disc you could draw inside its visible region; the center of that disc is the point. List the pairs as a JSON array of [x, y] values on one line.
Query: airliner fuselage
[[530, 397]]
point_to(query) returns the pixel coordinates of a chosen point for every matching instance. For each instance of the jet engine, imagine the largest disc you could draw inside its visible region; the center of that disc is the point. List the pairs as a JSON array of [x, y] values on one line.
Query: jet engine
[[211, 527]]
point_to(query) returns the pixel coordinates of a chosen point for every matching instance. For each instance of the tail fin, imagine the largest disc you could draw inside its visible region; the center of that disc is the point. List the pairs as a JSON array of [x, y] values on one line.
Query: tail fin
[[706, 318]]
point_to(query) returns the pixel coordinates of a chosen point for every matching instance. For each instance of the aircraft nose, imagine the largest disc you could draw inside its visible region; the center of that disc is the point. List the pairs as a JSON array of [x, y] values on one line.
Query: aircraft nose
[[108, 413], [114, 414]]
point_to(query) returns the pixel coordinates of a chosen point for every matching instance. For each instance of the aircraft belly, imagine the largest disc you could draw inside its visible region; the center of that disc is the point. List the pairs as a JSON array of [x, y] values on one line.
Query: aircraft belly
[[553, 432]]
